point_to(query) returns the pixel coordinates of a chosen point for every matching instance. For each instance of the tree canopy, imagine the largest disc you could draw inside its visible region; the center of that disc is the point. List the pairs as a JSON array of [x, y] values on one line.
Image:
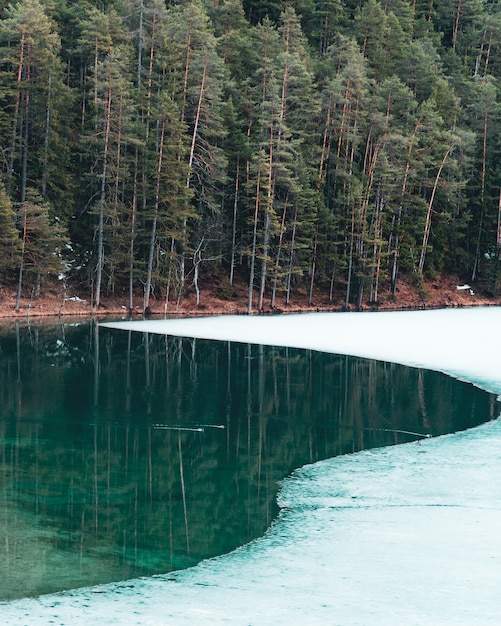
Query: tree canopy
[[296, 146]]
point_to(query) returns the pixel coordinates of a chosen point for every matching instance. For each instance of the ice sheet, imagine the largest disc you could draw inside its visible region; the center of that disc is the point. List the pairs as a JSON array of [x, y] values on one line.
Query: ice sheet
[[400, 535]]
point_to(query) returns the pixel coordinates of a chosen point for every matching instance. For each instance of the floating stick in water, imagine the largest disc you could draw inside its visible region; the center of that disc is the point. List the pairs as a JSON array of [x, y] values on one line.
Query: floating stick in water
[[405, 432], [165, 427]]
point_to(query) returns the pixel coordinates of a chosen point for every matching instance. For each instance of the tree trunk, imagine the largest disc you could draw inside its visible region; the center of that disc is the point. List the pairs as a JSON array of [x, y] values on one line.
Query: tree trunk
[[313, 266], [21, 264], [254, 242], [15, 120], [267, 225], [427, 227], [482, 193], [133, 236], [277, 260], [350, 259], [190, 166], [46, 138], [153, 235], [291, 257], [102, 203], [234, 223]]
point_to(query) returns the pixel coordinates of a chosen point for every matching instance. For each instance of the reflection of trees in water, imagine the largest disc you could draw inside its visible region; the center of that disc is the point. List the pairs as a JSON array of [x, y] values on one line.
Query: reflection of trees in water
[[149, 453]]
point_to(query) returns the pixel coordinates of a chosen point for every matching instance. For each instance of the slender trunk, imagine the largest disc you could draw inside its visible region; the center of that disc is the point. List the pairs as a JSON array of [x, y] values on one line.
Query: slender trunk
[[291, 257], [331, 286], [15, 119], [153, 234], [197, 258], [455, 28], [254, 242], [264, 262], [24, 166], [234, 226], [133, 236], [313, 266], [377, 250], [46, 138], [479, 55], [169, 277], [267, 225], [140, 36], [115, 216], [396, 254], [350, 259], [324, 153], [397, 223], [488, 55], [24, 178], [102, 203], [190, 166], [197, 122], [185, 79], [279, 252], [482, 192], [427, 227], [21, 263], [359, 235]]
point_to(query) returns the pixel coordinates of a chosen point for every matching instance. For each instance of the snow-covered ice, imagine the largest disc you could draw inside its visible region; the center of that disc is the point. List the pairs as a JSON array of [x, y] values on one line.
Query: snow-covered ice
[[401, 535], [464, 343]]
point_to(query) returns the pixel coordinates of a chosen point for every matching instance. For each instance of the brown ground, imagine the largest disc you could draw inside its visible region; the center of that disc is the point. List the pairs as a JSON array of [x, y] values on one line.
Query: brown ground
[[439, 293]]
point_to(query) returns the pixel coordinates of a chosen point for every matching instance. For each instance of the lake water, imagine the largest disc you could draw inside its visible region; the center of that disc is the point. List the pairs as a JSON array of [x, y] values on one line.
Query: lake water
[[126, 454]]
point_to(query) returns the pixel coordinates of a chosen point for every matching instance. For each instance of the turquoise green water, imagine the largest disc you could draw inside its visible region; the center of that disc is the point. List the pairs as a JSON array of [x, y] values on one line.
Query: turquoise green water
[[123, 454]]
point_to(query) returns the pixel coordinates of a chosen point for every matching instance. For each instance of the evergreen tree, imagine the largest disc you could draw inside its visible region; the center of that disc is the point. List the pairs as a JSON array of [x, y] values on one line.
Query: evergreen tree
[[43, 241], [281, 131], [10, 244], [346, 137], [301, 144], [110, 139], [484, 111], [34, 99], [195, 80], [258, 10]]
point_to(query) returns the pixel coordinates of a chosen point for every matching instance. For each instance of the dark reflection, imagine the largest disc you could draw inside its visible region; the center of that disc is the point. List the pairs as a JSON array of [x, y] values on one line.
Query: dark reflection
[[123, 454]]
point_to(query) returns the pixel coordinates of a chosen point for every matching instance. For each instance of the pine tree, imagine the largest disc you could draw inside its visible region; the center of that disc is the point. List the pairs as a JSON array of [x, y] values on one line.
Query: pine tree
[[43, 242], [346, 141], [195, 81], [34, 99], [10, 244], [283, 133], [110, 139]]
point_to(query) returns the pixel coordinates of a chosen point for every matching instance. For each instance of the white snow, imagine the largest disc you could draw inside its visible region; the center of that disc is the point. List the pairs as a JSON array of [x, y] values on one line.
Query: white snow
[[464, 343], [75, 299], [400, 535]]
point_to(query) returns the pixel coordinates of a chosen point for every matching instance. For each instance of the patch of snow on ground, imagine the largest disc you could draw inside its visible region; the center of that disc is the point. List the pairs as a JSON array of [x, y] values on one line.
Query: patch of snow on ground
[[400, 535]]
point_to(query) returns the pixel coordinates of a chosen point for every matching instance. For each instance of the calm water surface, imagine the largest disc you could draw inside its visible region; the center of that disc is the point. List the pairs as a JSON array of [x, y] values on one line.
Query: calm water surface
[[123, 454]]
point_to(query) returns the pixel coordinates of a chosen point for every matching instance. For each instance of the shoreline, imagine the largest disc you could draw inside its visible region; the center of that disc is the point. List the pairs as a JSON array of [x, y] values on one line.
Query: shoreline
[[446, 293], [31, 314]]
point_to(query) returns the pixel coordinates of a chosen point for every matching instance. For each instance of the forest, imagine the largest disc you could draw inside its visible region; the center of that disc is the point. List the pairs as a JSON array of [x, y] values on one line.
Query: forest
[[153, 148]]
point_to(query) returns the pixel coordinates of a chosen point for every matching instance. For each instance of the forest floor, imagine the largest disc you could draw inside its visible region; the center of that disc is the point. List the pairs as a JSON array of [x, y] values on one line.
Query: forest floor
[[442, 292]]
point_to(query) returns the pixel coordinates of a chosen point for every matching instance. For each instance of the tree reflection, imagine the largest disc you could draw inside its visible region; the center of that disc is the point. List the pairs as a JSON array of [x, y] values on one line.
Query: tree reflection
[[125, 454]]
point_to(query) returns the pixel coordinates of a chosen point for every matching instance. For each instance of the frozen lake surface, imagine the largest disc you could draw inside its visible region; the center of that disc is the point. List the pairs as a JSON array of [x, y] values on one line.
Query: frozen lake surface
[[401, 535]]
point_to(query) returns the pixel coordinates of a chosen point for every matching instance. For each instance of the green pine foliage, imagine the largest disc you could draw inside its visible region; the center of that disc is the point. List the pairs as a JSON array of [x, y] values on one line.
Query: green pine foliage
[[10, 243], [311, 146]]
